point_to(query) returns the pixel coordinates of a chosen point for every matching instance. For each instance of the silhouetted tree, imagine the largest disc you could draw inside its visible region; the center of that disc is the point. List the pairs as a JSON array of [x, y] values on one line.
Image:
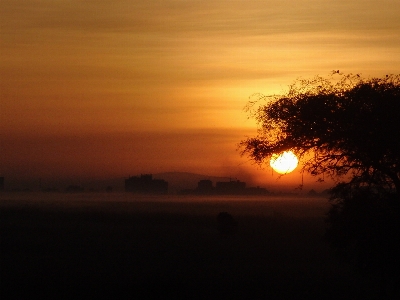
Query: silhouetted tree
[[349, 126], [346, 127]]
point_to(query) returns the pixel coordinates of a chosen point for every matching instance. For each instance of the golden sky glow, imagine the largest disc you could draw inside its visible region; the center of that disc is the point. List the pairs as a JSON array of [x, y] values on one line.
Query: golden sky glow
[[111, 88]]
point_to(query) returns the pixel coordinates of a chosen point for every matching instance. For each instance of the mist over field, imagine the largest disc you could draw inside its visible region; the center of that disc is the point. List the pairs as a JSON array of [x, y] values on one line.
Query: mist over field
[[111, 244]]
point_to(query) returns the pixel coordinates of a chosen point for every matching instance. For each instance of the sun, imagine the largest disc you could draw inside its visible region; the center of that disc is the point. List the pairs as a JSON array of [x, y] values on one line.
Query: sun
[[284, 162]]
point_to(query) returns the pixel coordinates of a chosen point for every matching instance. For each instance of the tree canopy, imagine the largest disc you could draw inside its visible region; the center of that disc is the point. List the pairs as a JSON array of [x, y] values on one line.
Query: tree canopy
[[341, 124]]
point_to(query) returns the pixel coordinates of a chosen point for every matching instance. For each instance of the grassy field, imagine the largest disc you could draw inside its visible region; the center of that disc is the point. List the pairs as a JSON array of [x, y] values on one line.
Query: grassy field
[[103, 245]]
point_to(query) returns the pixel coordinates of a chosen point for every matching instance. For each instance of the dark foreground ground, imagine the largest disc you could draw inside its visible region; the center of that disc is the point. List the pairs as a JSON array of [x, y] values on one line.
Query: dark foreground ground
[[170, 249]]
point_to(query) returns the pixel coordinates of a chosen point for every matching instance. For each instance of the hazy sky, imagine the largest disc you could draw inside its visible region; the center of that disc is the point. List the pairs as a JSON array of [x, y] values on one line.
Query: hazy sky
[[111, 88]]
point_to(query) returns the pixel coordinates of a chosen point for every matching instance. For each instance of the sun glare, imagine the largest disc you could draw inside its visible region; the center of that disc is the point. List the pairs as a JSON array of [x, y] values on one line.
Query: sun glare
[[284, 162]]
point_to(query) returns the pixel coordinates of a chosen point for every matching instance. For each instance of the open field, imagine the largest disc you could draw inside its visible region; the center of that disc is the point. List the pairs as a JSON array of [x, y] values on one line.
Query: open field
[[65, 245]]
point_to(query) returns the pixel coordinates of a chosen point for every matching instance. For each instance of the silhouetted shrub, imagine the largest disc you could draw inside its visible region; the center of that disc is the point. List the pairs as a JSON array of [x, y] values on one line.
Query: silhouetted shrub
[[226, 223]]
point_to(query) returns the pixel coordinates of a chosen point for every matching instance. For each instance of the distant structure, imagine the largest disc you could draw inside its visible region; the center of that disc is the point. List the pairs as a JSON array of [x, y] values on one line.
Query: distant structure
[[145, 184], [205, 187], [1, 183], [312, 193], [256, 191], [74, 189], [232, 187]]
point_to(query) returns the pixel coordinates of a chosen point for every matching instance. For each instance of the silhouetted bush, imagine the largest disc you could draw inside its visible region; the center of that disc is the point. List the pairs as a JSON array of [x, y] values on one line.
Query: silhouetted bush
[[226, 223]]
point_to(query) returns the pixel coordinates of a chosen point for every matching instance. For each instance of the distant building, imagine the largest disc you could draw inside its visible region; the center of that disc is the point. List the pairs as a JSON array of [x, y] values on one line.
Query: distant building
[[256, 191], [74, 189], [312, 193], [205, 187], [230, 187], [145, 184]]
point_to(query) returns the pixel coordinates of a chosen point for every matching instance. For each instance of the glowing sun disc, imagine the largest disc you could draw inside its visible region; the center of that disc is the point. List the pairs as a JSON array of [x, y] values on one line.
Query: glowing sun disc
[[284, 162]]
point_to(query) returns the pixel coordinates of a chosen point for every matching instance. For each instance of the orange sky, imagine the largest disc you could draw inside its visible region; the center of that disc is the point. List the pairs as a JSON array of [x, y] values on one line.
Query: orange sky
[[111, 88]]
